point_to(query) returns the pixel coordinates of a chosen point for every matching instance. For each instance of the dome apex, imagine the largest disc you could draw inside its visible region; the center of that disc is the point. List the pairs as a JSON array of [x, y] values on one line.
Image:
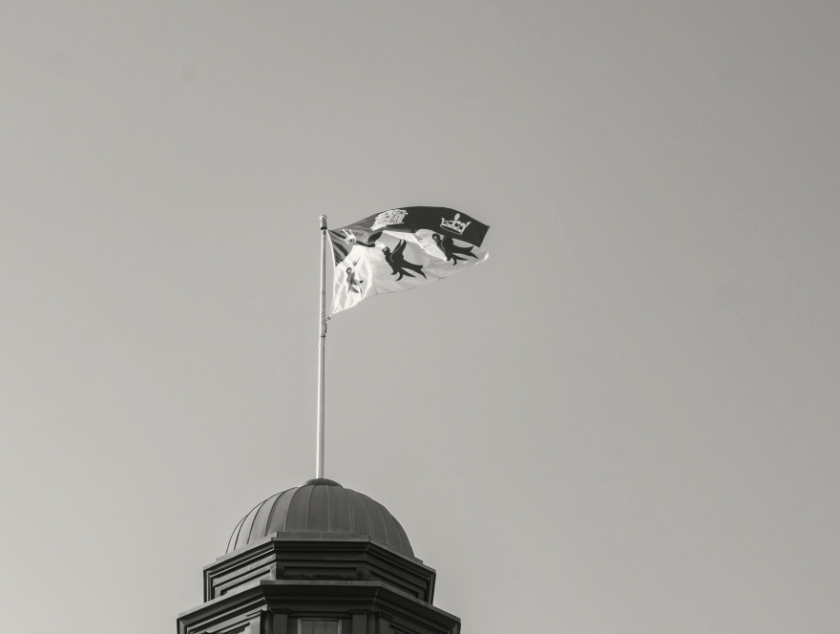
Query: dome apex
[[324, 481]]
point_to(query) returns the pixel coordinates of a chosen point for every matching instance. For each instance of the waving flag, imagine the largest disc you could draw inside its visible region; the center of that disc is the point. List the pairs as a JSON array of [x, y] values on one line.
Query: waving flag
[[401, 249]]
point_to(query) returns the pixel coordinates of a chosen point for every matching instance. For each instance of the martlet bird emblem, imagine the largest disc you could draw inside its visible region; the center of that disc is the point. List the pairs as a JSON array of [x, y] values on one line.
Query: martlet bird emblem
[[451, 250], [398, 262], [350, 238], [354, 284]]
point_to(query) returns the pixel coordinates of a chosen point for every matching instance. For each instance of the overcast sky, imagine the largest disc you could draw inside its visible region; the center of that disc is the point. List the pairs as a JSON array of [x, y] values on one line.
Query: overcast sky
[[624, 422]]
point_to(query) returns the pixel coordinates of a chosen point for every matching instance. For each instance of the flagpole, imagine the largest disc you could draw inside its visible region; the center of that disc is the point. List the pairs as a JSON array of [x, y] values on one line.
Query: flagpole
[[322, 340]]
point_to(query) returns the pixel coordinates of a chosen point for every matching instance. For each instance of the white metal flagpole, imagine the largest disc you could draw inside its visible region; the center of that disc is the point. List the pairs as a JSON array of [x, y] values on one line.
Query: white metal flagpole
[[322, 334]]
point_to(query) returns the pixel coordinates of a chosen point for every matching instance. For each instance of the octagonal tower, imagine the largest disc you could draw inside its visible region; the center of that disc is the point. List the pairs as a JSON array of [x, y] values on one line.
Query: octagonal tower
[[318, 559]]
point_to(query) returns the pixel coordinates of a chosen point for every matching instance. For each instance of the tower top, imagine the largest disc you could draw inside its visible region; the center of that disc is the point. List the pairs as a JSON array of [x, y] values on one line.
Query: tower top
[[321, 509], [318, 558]]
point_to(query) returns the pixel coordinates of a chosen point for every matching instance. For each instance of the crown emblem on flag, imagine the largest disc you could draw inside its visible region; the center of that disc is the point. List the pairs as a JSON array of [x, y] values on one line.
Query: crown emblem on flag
[[390, 217], [455, 225]]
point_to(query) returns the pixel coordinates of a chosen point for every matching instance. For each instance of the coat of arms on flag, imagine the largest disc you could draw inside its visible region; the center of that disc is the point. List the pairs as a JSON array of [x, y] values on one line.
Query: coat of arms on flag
[[401, 249]]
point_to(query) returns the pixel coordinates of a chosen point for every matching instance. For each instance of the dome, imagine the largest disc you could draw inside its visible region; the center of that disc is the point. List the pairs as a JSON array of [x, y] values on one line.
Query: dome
[[321, 509]]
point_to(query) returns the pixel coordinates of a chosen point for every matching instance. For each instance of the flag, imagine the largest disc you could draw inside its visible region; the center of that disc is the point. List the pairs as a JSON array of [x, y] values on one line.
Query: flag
[[401, 249]]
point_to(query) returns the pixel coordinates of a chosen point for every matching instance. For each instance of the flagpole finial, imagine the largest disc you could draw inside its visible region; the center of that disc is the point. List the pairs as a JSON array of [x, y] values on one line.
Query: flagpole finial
[[323, 222]]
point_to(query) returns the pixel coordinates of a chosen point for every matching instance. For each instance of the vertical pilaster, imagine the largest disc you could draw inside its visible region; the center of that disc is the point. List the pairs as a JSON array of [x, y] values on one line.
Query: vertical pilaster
[[360, 623], [279, 623]]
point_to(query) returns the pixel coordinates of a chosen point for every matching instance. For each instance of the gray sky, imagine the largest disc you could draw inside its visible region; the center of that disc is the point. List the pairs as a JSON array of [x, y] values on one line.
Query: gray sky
[[626, 421]]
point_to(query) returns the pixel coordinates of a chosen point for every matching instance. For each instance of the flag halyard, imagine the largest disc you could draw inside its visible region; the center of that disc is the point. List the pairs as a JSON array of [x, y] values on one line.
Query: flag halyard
[[401, 249]]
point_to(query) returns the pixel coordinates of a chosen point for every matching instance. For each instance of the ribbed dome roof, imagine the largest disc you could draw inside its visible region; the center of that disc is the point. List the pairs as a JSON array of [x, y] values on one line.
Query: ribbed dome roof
[[317, 509]]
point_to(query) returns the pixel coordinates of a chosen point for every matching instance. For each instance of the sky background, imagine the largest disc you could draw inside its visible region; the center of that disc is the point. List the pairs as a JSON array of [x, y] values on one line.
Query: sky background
[[624, 422]]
